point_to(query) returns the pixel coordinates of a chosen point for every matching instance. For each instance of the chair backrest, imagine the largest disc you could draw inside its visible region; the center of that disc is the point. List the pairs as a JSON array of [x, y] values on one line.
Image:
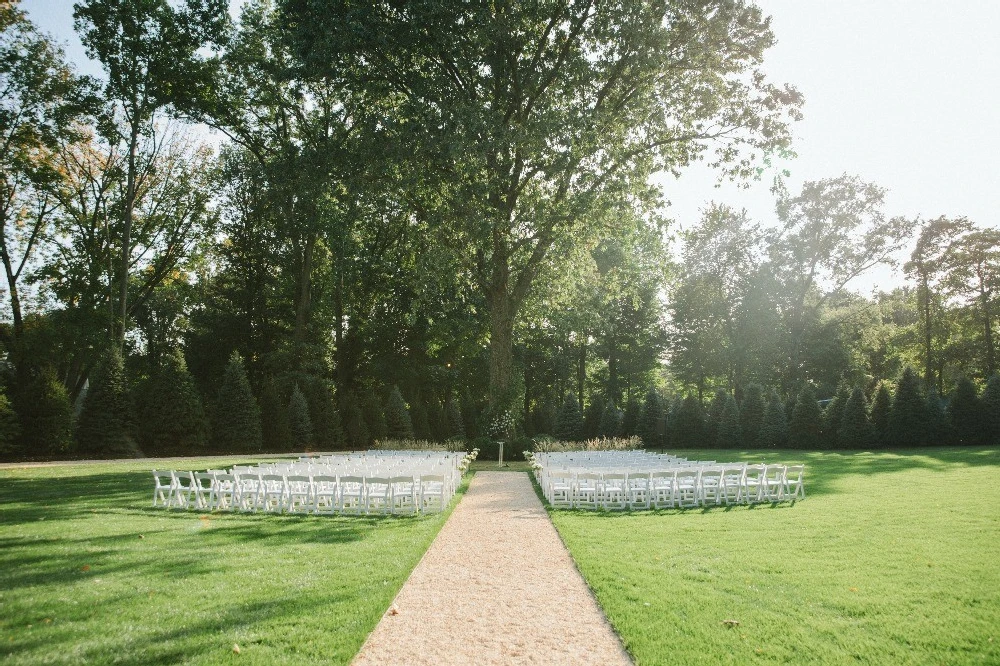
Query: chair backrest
[[794, 473], [163, 479], [200, 479]]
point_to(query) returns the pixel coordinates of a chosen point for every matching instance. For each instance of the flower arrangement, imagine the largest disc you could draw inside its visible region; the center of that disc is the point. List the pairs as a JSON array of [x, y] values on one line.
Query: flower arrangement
[[502, 426]]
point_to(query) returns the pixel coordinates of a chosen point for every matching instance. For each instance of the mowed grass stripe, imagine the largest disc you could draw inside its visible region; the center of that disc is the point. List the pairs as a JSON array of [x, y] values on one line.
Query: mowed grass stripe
[[892, 558], [89, 573]]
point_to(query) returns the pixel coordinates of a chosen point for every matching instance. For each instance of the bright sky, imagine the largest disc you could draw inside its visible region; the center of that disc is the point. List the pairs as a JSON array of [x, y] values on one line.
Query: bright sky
[[904, 93]]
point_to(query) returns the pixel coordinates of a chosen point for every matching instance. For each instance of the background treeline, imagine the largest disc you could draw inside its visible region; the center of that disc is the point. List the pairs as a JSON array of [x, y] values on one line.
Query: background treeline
[[295, 279]]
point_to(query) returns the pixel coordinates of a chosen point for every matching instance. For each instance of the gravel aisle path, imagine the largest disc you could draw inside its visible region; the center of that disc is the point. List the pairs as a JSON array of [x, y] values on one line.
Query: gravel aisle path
[[497, 586]]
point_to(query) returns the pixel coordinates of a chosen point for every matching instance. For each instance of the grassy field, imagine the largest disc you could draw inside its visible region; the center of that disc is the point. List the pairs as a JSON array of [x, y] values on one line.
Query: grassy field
[[893, 558], [89, 573]]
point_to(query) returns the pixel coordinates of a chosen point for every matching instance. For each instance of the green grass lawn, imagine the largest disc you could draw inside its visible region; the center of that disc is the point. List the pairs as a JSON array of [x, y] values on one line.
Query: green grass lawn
[[89, 573], [892, 558]]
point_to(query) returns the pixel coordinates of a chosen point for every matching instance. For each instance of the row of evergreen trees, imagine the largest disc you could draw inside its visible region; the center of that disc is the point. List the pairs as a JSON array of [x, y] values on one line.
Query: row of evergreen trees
[[165, 414], [901, 417]]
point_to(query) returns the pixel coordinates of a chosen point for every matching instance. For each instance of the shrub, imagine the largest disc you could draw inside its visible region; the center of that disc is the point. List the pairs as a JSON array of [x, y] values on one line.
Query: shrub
[[729, 432], [276, 431], [630, 420], [830, 428], [774, 426], [714, 415], [939, 430], [397, 417], [611, 420], [371, 407], [881, 406], [856, 430], [689, 426], [10, 430], [569, 422], [648, 428], [418, 417], [966, 413], [752, 414], [456, 427], [470, 416], [355, 428], [596, 444], [103, 424], [172, 417], [806, 423], [298, 420], [237, 417], [44, 414], [592, 417], [991, 411], [907, 425]]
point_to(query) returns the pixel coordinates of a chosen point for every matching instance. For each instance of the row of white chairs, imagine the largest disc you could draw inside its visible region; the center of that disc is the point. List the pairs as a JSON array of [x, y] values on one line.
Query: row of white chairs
[[217, 490], [677, 487]]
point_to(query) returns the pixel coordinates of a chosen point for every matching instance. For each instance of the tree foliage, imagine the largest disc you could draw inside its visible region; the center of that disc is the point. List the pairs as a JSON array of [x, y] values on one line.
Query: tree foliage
[[237, 422]]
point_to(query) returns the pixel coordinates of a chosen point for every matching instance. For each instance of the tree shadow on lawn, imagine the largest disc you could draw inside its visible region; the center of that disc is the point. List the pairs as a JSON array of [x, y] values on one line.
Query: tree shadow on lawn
[[182, 642]]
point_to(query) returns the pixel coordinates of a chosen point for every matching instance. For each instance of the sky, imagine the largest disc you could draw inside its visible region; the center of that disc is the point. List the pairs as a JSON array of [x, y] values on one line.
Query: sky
[[903, 93]]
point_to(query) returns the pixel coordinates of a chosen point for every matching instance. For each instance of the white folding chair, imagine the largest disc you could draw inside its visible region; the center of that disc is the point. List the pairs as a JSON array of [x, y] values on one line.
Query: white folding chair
[[753, 483], [271, 497], [773, 489], [431, 492], [183, 490], [793, 482], [560, 489], [687, 484], [201, 485], [377, 498], [163, 488], [352, 494], [298, 494], [710, 486], [612, 492], [223, 489], [402, 495], [585, 490], [732, 483], [663, 489], [637, 487], [325, 494]]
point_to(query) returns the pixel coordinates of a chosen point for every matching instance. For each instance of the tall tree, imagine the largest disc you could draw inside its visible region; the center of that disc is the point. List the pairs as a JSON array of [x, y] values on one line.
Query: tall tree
[[928, 261], [538, 118], [975, 273], [834, 230], [153, 56], [42, 100]]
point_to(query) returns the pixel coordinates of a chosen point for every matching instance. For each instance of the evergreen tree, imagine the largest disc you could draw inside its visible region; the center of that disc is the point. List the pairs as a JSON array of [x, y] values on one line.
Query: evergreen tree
[[437, 420], [966, 414], [328, 429], [856, 430], [907, 424], [881, 406], [752, 414], [172, 417], [299, 421], [648, 427], [371, 406], [630, 420], [670, 412], [276, 431], [237, 424], [358, 436], [774, 427], [397, 417], [592, 417], [729, 432], [611, 421], [103, 425], [418, 416], [715, 415], [569, 422], [470, 416], [456, 427], [10, 430], [939, 431], [689, 424], [991, 411], [832, 415], [806, 423], [44, 414]]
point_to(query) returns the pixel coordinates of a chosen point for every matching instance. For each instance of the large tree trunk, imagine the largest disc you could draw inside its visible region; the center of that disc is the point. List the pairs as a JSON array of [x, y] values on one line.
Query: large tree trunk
[[303, 301], [126, 258], [581, 369], [614, 391], [928, 360], [501, 349], [984, 298]]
